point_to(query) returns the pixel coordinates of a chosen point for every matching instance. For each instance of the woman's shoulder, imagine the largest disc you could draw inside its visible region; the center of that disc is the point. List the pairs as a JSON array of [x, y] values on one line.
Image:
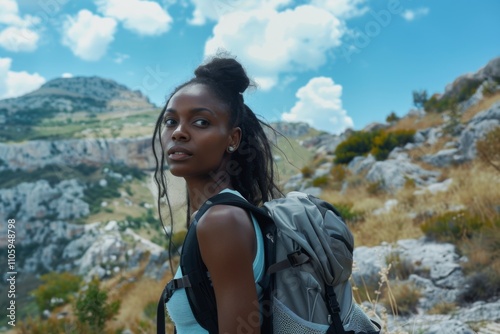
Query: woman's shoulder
[[223, 218]]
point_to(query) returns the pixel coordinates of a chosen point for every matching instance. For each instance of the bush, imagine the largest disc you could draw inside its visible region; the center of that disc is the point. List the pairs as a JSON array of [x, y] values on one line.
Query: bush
[[379, 143], [358, 144], [93, 309], [307, 171], [385, 142], [436, 104], [392, 117], [347, 213], [320, 181], [56, 289], [452, 226]]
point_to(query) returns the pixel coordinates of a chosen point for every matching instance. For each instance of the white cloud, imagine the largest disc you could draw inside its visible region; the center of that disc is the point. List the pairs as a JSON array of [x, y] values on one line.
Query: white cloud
[[120, 57], [142, 17], [213, 10], [13, 84], [19, 39], [270, 43], [17, 34], [88, 35], [410, 15], [66, 75], [344, 9], [319, 104]]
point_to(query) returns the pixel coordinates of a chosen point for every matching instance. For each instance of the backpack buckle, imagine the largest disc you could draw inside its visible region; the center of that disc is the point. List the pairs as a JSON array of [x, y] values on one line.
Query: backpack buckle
[[169, 291], [297, 258]]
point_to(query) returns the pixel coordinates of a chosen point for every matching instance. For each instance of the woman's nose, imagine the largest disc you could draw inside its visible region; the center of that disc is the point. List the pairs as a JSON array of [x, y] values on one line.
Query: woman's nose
[[180, 133]]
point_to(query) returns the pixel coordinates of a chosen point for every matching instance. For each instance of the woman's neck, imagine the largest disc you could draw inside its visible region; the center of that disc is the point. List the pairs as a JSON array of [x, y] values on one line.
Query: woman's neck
[[199, 192]]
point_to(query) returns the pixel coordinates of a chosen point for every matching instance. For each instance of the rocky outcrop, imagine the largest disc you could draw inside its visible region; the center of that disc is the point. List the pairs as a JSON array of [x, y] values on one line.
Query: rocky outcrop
[[393, 174], [435, 269], [477, 127], [491, 72], [39, 201], [134, 152]]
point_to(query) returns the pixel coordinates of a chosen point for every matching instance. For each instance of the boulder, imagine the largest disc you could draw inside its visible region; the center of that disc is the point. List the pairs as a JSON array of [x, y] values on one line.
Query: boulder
[[393, 174]]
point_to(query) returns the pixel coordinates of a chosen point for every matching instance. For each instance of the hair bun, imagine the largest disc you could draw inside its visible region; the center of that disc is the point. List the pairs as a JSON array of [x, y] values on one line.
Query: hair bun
[[226, 72]]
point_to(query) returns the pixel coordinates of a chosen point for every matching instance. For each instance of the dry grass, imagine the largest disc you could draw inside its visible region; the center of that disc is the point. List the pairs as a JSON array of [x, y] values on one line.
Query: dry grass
[[418, 123], [476, 187], [484, 104], [135, 291]]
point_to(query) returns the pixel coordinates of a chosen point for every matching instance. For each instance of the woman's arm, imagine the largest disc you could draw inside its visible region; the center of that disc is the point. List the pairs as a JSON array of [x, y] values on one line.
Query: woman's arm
[[226, 237]]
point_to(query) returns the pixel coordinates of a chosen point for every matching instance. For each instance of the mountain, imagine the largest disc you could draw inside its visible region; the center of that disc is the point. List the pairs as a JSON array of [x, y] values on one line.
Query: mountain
[[66, 108], [88, 94]]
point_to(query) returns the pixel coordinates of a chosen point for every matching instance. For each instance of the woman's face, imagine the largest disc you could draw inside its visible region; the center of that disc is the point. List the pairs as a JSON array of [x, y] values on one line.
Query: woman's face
[[196, 132]]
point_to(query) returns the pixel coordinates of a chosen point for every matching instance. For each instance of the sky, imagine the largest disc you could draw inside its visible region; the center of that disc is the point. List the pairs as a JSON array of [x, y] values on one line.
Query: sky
[[335, 64]]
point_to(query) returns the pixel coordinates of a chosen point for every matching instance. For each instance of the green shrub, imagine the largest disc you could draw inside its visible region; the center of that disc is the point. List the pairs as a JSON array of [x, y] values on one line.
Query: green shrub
[[320, 181], [385, 142], [380, 143], [347, 213], [358, 144], [56, 286], [92, 307], [307, 171], [392, 117], [436, 104], [452, 226]]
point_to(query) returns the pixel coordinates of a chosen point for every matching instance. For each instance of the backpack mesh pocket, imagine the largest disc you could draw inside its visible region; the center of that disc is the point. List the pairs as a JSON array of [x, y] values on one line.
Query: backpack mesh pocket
[[286, 322], [359, 322]]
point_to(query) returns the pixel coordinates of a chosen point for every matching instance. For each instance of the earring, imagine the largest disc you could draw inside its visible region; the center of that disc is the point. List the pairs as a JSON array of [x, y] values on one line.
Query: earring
[[230, 149]]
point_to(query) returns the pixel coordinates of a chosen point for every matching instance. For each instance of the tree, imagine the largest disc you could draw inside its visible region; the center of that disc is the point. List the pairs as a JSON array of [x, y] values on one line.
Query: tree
[[419, 98], [93, 309], [392, 117]]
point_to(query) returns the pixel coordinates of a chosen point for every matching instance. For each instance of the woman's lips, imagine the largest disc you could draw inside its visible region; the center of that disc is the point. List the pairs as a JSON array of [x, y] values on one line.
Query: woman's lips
[[179, 156]]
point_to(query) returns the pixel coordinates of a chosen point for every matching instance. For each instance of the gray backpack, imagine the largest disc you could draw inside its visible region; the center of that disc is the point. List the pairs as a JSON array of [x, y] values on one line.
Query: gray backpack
[[308, 261]]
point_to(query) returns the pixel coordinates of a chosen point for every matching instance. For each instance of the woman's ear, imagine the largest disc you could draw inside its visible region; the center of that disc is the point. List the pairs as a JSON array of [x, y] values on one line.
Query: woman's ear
[[235, 138]]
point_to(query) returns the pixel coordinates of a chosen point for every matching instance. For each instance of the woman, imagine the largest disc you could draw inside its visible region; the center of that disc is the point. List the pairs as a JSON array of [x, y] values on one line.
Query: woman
[[211, 138]]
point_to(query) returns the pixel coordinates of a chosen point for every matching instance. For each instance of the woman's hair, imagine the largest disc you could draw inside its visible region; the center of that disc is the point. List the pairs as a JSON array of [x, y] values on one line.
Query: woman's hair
[[253, 166]]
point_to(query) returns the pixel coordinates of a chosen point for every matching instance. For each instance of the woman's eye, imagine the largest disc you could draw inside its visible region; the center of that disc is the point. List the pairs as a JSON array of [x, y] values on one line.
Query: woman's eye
[[169, 122], [201, 122]]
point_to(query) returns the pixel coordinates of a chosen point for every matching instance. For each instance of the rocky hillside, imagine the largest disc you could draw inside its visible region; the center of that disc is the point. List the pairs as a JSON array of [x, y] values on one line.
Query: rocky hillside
[[83, 200], [71, 108], [88, 94]]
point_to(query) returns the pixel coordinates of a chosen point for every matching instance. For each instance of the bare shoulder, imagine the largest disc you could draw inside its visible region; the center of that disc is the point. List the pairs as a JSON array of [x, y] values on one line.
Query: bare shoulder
[[220, 218], [226, 228]]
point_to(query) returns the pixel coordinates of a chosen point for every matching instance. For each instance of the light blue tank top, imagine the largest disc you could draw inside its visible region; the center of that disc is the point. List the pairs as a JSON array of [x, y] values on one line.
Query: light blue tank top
[[178, 306]]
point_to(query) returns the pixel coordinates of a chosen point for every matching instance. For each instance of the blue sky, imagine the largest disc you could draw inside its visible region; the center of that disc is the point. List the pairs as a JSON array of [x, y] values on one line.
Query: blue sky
[[333, 63]]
